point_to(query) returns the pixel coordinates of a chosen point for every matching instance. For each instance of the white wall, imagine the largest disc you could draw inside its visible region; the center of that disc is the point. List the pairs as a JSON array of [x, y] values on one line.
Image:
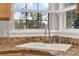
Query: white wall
[[4, 27]]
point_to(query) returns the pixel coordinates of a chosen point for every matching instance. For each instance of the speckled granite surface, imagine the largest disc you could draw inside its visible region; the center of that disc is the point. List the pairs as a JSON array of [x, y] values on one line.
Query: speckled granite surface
[[7, 46]]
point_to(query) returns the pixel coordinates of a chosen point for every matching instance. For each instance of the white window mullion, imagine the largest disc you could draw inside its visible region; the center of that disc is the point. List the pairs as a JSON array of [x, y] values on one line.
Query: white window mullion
[[12, 18], [61, 17]]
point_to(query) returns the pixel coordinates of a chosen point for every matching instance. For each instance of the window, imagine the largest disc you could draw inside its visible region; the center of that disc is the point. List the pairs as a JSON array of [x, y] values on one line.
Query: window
[[71, 21], [30, 20], [69, 4]]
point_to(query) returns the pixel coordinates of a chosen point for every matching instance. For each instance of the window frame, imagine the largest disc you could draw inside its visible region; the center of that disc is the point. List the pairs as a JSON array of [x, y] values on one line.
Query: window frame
[[49, 11]]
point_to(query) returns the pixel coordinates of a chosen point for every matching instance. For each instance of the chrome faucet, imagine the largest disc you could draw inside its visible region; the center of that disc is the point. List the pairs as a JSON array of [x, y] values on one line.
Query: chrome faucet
[[47, 31]]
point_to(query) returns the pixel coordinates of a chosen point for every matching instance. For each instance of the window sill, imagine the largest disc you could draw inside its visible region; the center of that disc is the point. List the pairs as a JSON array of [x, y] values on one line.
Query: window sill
[[40, 32], [73, 33], [30, 32]]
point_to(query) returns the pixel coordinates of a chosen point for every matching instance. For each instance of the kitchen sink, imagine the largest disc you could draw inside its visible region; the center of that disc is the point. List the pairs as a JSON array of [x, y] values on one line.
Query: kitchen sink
[[47, 46]]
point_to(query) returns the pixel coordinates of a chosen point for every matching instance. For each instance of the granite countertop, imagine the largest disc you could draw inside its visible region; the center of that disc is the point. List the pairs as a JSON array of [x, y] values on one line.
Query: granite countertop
[[73, 51]]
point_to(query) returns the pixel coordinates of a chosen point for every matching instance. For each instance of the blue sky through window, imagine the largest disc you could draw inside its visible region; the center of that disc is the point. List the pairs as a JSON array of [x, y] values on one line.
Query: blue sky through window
[[43, 6], [31, 6], [19, 6]]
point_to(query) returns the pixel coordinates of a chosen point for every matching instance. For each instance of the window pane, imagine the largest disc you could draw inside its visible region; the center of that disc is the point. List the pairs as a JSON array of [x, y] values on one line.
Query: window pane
[[19, 15], [45, 16], [44, 24], [19, 6], [31, 16], [19, 20], [70, 19], [31, 6], [43, 6], [32, 24], [19, 24]]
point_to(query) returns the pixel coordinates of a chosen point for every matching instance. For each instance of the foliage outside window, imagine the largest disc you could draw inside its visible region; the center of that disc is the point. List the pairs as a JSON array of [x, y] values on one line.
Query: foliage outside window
[[71, 20]]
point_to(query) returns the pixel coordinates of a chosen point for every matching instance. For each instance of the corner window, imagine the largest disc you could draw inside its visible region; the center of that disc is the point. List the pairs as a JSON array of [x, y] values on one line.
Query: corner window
[[71, 21]]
